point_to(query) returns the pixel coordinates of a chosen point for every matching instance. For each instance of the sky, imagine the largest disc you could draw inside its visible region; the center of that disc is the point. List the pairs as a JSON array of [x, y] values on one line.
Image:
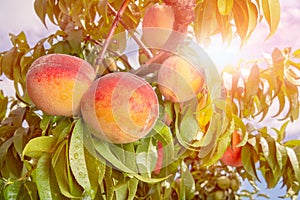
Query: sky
[[19, 15]]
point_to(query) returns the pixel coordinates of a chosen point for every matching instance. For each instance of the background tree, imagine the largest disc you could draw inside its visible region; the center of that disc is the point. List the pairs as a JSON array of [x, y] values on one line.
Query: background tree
[[54, 157]]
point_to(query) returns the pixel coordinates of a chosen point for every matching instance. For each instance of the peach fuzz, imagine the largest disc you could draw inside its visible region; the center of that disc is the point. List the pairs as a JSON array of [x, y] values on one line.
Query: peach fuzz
[[56, 82], [157, 25], [232, 156], [120, 107], [178, 80]]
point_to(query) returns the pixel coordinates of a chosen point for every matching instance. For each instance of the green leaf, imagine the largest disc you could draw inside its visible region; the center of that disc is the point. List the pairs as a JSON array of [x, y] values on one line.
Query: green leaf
[[12, 190], [188, 128], [28, 191], [79, 158], [281, 100], [164, 135], [132, 188], [102, 147], [75, 38], [225, 6], [187, 184], [109, 192], [292, 94], [3, 103], [38, 146], [146, 155], [294, 162], [281, 155], [223, 143], [45, 123], [66, 182], [45, 179], [281, 133], [296, 54], [102, 10], [9, 61], [292, 143], [271, 9], [19, 139], [12, 165], [252, 83], [269, 151], [40, 7], [249, 162], [20, 41], [4, 149]]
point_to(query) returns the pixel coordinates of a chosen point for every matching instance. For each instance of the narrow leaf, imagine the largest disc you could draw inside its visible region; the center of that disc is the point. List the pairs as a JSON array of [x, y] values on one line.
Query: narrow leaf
[[40, 7], [146, 155], [37, 146], [78, 162], [225, 6], [294, 161], [249, 162], [43, 179], [271, 9]]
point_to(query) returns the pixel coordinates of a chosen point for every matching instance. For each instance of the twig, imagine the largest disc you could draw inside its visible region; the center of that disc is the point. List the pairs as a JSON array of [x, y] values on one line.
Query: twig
[[116, 54], [111, 32], [131, 32]]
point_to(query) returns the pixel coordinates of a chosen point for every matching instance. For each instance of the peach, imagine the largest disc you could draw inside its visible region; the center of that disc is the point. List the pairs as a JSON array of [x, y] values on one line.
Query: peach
[[233, 155], [157, 25], [120, 107], [56, 82], [178, 80]]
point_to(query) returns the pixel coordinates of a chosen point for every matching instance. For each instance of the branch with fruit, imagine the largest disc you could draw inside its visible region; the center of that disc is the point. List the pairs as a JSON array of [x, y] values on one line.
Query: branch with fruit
[[98, 117]]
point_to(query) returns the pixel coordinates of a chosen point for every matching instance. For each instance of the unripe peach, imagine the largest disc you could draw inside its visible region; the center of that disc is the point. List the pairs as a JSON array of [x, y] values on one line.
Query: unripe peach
[[232, 156], [56, 82], [157, 25], [120, 107], [179, 80]]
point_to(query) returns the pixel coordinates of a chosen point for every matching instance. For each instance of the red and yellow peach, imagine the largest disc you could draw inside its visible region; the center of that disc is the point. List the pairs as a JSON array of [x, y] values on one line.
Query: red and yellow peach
[[179, 80], [56, 82], [120, 107], [157, 25]]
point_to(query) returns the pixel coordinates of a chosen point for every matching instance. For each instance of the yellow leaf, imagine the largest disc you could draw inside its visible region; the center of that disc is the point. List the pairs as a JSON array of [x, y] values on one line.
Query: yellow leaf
[[225, 6], [241, 18], [271, 9], [253, 16]]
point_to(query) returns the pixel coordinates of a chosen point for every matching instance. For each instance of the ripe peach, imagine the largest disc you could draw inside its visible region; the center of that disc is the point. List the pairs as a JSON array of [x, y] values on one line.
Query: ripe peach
[[157, 25], [120, 107], [56, 82], [232, 156], [179, 80]]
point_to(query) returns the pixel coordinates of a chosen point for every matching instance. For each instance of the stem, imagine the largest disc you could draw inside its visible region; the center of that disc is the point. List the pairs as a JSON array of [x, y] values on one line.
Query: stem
[[131, 32], [111, 32]]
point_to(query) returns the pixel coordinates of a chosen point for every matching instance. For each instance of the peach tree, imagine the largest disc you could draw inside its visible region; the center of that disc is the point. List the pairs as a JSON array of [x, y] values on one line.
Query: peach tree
[[174, 128]]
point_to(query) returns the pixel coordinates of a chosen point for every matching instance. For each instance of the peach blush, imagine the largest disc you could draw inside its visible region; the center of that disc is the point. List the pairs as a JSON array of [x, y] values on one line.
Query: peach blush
[[120, 107], [56, 82]]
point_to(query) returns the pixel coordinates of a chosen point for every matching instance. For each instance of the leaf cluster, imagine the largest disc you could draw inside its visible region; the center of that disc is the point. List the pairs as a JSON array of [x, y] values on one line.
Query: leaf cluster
[[52, 157]]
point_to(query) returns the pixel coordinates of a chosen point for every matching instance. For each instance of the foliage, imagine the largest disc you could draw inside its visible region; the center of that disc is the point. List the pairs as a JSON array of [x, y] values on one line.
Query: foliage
[[53, 157]]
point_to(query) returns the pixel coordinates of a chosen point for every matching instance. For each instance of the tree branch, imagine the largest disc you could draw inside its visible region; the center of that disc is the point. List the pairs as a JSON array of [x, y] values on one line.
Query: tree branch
[[131, 32], [111, 32]]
